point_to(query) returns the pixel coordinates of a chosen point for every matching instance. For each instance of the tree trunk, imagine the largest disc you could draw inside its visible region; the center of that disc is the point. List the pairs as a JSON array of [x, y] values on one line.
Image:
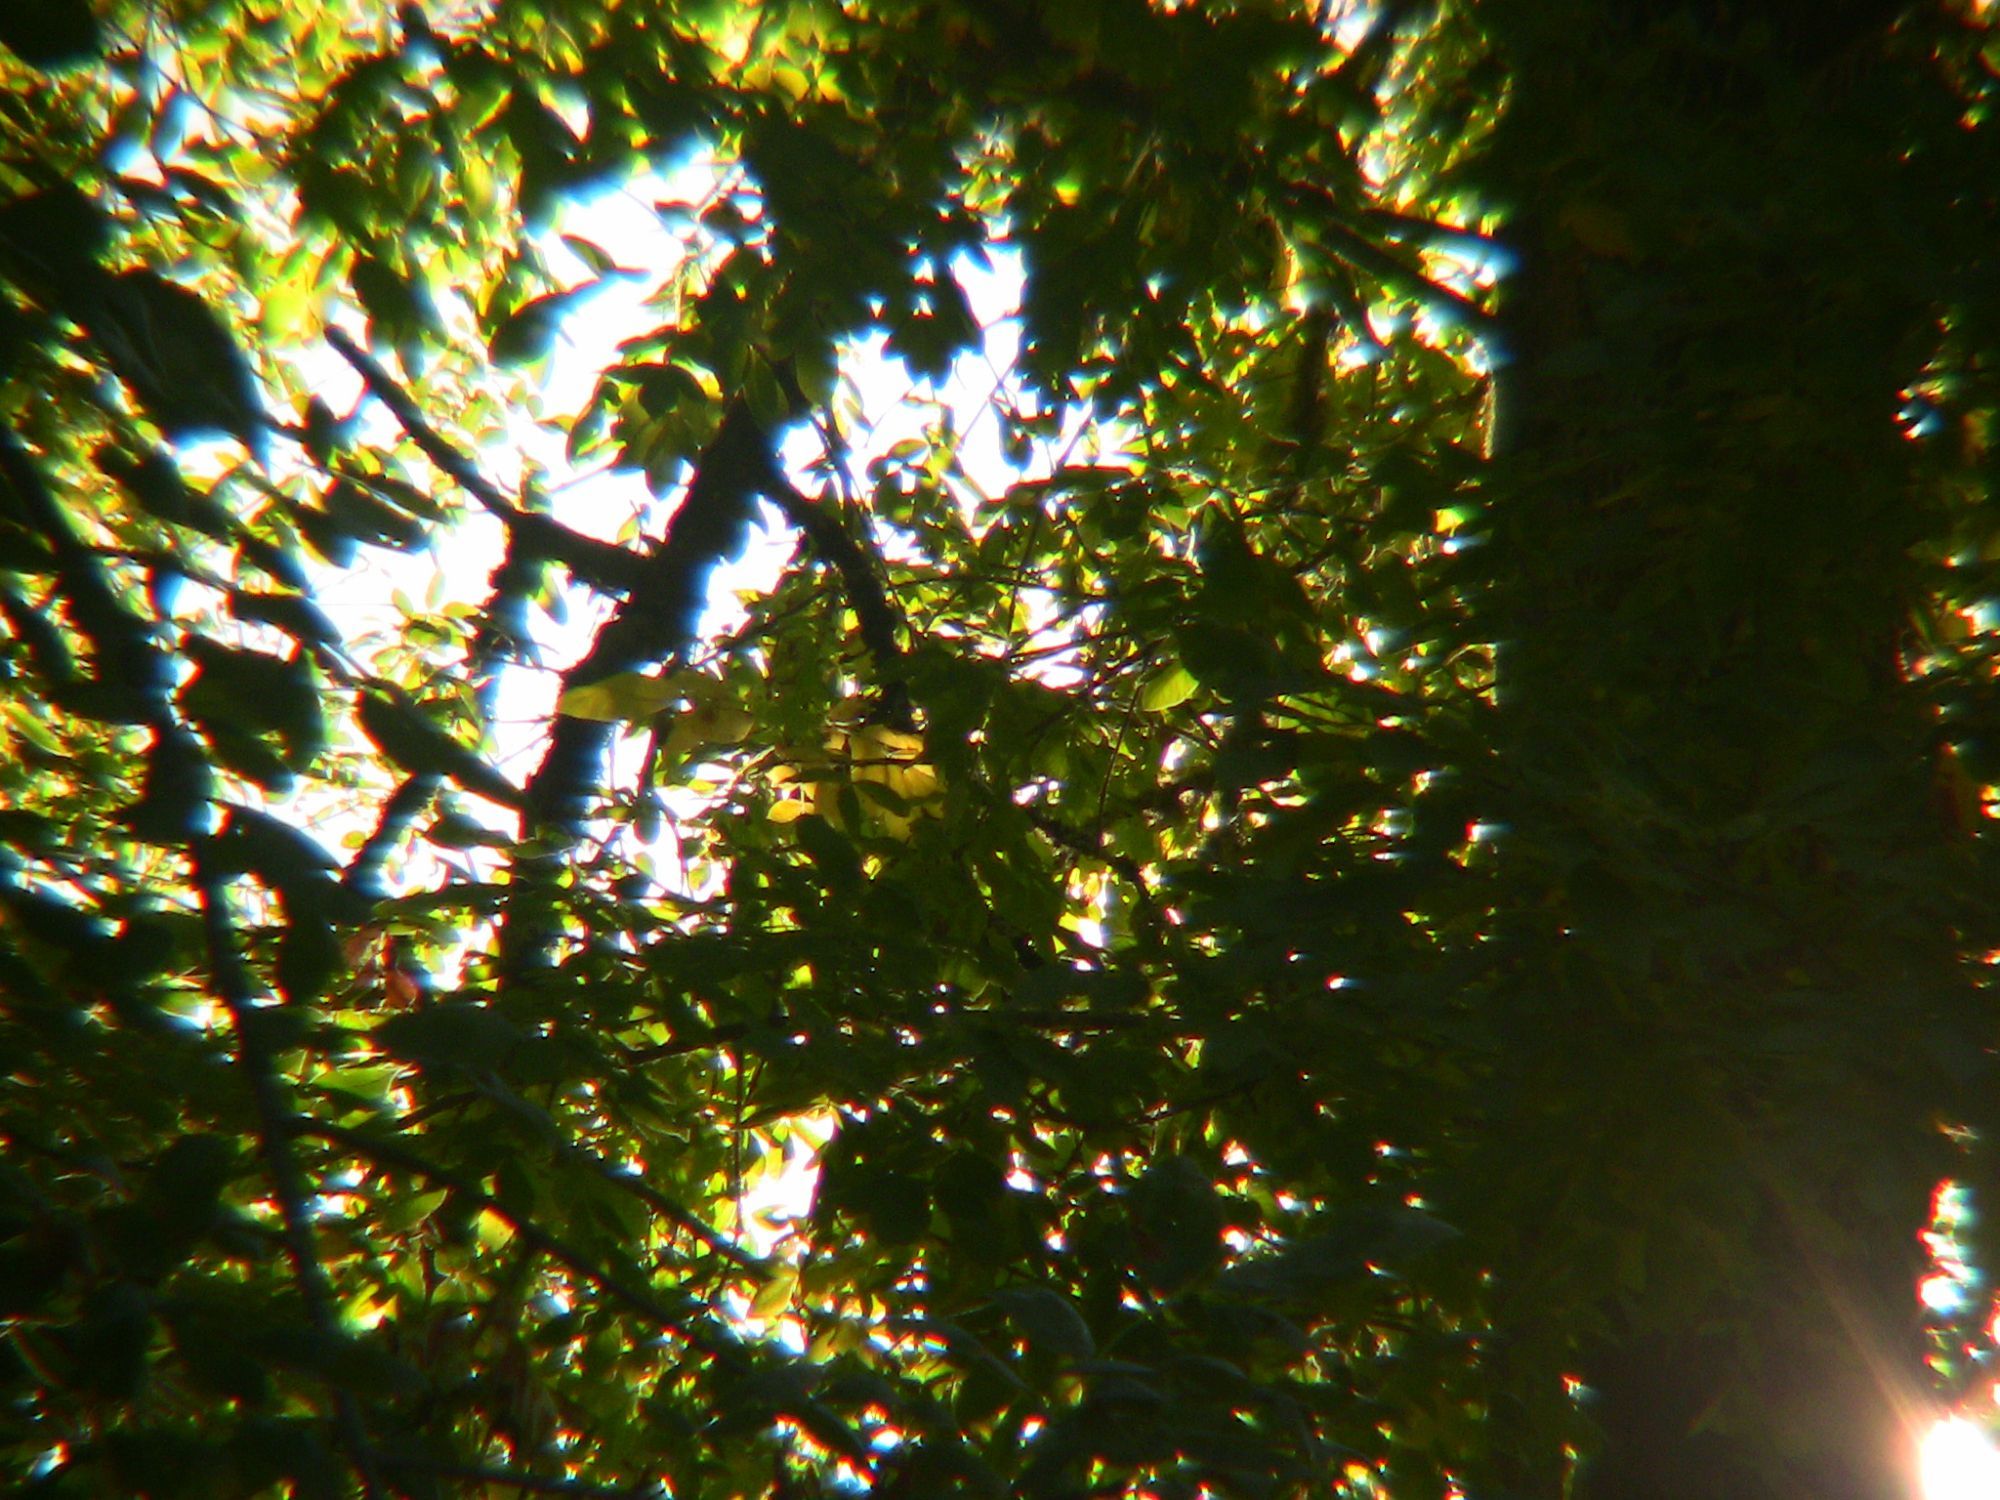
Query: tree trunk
[[1711, 1073]]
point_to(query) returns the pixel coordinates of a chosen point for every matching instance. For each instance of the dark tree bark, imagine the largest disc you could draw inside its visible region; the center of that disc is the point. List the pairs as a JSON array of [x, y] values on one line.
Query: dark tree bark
[[1702, 569]]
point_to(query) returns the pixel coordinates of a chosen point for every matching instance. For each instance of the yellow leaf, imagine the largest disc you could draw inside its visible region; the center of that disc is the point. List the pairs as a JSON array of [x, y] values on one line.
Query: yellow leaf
[[708, 724], [839, 1338], [789, 811], [775, 1295], [870, 773], [916, 783], [626, 697]]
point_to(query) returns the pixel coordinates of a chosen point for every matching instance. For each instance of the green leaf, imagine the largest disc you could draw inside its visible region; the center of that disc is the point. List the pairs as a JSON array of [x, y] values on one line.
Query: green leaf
[[1168, 689], [1048, 1321], [104, 1351], [1177, 1211], [529, 333], [453, 1035], [240, 697], [1362, 1240], [355, 510], [596, 257], [400, 311], [407, 735], [1267, 755], [177, 354], [895, 1207]]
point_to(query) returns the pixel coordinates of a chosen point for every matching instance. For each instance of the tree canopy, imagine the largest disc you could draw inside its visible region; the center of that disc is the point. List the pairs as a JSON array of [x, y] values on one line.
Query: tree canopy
[[1392, 895]]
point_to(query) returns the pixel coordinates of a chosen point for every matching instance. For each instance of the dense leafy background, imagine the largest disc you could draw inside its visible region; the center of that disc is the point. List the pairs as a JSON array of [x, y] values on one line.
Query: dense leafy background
[[1423, 912]]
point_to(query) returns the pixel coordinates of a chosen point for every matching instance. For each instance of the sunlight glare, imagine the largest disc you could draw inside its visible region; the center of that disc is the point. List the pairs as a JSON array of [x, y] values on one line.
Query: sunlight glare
[[1959, 1462]]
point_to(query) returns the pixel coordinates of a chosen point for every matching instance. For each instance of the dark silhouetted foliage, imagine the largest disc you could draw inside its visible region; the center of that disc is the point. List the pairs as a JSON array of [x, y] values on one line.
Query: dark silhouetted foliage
[[1366, 874]]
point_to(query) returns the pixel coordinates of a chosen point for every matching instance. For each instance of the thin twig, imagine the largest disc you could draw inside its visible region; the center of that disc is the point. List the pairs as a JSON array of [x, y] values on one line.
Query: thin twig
[[493, 1089], [391, 1154]]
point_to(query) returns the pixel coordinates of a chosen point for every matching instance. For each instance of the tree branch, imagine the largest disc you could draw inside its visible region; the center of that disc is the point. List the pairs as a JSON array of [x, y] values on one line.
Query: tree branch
[[364, 871], [277, 1122], [656, 620], [602, 565], [497, 1092], [128, 655], [639, 1300], [860, 578], [1358, 251]]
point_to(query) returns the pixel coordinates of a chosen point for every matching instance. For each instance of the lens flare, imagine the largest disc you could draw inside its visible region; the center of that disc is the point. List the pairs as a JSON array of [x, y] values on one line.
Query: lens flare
[[1959, 1462]]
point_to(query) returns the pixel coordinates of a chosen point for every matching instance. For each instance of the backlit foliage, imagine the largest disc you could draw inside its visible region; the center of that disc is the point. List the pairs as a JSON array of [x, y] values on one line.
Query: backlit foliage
[[1393, 893]]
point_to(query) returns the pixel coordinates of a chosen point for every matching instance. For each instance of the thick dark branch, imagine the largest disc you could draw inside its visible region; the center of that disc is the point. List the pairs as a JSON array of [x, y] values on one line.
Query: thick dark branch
[[1305, 418], [364, 872], [712, 523], [656, 620], [660, 611], [860, 573], [277, 1123]]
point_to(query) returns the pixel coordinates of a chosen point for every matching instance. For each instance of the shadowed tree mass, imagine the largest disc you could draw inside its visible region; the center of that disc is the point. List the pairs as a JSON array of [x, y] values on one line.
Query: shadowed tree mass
[[1419, 925]]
